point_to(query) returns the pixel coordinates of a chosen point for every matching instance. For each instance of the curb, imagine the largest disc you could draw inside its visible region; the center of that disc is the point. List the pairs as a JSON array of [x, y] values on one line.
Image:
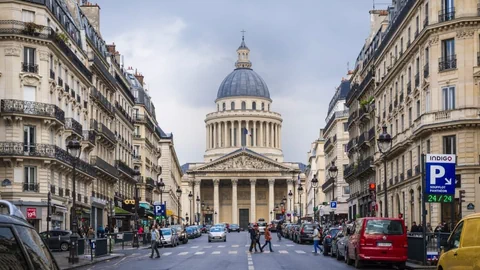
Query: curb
[[117, 256]]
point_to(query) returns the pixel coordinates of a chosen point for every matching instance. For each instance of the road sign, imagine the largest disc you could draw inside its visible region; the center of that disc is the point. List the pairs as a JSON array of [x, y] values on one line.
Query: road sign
[[440, 174], [471, 206], [436, 198], [159, 210], [31, 213], [333, 204]]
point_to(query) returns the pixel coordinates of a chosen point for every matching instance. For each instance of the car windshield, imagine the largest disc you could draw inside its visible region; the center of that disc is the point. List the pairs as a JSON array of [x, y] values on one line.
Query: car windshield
[[189, 230], [389, 227], [233, 226], [308, 227], [219, 225], [333, 232], [177, 227], [166, 231], [216, 229], [262, 224]]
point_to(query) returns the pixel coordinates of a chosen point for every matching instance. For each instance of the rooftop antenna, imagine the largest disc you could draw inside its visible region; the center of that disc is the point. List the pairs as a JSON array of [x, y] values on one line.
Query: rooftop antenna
[[243, 34], [348, 67]]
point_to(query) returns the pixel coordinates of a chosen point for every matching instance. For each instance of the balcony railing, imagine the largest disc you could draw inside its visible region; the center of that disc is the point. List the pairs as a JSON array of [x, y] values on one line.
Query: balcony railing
[[33, 187], [426, 71], [102, 100], [32, 108], [125, 168], [74, 125], [106, 132], [365, 165], [417, 80], [81, 165], [89, 136], [328, 183], [67, 88], [371, 134], [60, 82], [103, 165], [149, 181], [349, 170], [447, 63], [29, 67], [425, 21], [123, 112], [362, 139], [446, 15], [409, 173], [409, 88], [336, 115], [52, 74], [327, 144]]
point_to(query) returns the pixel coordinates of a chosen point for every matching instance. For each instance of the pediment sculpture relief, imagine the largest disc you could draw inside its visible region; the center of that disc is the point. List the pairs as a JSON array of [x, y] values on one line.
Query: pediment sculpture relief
[[242, 162]]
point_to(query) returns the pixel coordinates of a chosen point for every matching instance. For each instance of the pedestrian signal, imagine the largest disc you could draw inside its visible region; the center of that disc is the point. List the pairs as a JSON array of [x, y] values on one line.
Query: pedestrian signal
[[372, 186]]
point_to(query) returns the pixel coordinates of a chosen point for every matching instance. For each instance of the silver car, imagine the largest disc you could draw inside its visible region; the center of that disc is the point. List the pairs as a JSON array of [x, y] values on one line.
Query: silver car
[[170, 237], [217, 234]]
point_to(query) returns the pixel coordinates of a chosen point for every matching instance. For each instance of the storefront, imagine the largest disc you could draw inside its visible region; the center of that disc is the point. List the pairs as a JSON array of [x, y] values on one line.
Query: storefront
[[35, 213], [58, 215], [97, 212]]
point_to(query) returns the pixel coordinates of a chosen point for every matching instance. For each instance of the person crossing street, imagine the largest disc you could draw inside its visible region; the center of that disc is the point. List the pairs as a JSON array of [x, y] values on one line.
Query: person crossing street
[[316, 240], [155, 235], [268, 238]]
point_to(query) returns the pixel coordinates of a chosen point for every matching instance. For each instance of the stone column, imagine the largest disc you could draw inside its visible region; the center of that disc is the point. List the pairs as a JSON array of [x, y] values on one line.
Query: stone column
[[225, 134], [279, 136], [216, 201], [196, 193], [261, 143], [234, 201], [246, 136], [255, 136], [214, 136], [232, 137], [271, 195], [219, 135], [252, 200], [289, 187], [275, 134], [267, 137], [206, 136], [272, 133]]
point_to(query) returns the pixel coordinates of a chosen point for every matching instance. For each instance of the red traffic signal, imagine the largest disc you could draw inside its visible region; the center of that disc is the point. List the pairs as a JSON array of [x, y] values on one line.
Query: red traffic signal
[[372, 186]]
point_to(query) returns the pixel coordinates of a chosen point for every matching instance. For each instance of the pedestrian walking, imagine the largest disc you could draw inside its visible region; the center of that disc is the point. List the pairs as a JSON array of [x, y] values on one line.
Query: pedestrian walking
[[268, 238], [154, 243], [316, 240], [257, 238], [253, 238], [279, 231]]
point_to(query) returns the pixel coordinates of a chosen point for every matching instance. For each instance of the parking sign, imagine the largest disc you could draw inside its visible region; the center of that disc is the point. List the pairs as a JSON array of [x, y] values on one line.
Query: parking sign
[[440, 174], [159, 210], [333, 204]]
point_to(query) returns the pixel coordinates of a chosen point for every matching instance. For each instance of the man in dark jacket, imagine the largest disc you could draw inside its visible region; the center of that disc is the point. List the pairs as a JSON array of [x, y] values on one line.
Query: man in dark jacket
[[253, 238]]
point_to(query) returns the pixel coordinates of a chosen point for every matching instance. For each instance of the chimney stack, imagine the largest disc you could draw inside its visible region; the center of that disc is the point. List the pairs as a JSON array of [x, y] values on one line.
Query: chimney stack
[[92, 11], [111, 48], [139, 77]]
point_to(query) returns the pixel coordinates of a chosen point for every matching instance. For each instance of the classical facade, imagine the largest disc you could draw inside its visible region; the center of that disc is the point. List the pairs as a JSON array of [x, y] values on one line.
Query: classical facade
[[243, 177], [336, 134], [423, 78]]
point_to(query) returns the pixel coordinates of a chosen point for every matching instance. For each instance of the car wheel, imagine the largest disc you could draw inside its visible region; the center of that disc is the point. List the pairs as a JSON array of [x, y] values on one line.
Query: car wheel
[[403, 266], [225, 240], [209, 240], [358, 262], [64, 247]]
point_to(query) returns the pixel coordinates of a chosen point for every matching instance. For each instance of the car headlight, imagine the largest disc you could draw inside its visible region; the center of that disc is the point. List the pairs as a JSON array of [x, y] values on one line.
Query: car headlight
[[223, 235]]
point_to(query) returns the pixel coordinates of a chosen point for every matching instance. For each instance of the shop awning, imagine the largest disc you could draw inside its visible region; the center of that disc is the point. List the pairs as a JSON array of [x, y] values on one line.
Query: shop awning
[[121, 211]]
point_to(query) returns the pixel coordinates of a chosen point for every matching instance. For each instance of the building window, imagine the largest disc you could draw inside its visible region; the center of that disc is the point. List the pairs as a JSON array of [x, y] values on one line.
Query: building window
[[28, 16], [30, 182], [428, 146], [345, 127], [136, 151], [263, 106], [418, 108], [403, 123], [28, 139], [346, 190], [29, 93], [224, 106], [410, 116], [448, 11], [449, 145], [448, 98], [244, 105], [448, 59], [232, 105], [29, 60], [427, 101], [254, 105]]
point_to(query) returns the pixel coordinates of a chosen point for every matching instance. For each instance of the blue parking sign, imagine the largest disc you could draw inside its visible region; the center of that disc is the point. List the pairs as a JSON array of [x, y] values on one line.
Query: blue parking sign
[[440, 174], [159, 210], [333, 204]]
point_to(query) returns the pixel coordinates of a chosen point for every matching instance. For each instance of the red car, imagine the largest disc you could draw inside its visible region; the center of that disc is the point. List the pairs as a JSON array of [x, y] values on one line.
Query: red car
[[377, 240]]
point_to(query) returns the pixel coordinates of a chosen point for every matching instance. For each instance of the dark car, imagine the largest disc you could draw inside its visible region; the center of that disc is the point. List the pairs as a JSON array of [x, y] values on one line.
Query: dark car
[[190, 233], [58, 239], [328, 239], [234, 228], [182, 234], [305, 233], [22, 246]]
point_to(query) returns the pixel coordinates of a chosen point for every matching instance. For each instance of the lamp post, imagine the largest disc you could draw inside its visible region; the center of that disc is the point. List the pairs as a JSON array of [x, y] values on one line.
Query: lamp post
[[179, 194], [384, 143], [186, 217], [136, 177], [208, 211], [197, 214], [161, 188], [49, 205], [332, 173], [74, 149], [276, 210], [290, 196], [314, 185], [190, 197], [271, 215], [203, 212], [215, 217], [300, 192]]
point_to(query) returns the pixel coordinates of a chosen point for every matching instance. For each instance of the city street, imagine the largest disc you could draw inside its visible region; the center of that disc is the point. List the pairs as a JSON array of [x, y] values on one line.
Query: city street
[[198, 254]]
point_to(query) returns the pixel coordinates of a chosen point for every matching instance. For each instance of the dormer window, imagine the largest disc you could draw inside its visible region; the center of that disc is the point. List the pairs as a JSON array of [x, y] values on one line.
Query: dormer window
[[232, 106], [244, 105], [254, 105], [224, 106]]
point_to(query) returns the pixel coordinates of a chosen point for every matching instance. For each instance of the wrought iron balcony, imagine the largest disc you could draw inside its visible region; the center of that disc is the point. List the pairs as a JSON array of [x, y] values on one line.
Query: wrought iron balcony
[[15, 106], [52, 189], [150, 183], [363, 113], [106, 132], [417, 80], [365, 166], [101, 99], [60, 82], [74, 125], [426, 71], [102, 165], [447, 63], [409, 88], [349, 170], [446, 14], [352, 118], [327, 184], [67, 88], [29, 67], [52, 74], [89, 136], [409, 173], [124, 168], [124, 113], [362, 139], [327, 144], [336, 115], [371, 134], [33, 187], [81, 165]]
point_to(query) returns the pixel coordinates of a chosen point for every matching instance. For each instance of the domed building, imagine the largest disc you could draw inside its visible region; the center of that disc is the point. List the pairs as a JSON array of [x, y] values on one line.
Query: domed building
[[243, 177]]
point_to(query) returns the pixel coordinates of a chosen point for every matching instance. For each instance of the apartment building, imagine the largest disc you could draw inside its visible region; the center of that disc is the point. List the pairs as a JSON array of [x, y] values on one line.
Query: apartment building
[[314, 196]]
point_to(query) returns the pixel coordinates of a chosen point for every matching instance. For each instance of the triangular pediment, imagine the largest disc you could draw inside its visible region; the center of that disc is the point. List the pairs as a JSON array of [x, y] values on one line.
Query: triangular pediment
[[244, 161]]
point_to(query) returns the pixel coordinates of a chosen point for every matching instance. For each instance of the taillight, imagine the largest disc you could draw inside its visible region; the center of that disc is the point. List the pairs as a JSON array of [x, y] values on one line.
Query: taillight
[[362, 241], [329, 236], [405, 244], [301, 231]]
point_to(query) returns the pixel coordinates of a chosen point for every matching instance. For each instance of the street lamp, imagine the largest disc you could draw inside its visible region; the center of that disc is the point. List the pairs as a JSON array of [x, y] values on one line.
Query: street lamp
[[136, 177], [179, 194], [203, 211], [186, 217], [74, 149], [314, 185], [300, 192], [332, 173], [190, 197], [384, 143], [290, 196], [161, 188], [197, 213]]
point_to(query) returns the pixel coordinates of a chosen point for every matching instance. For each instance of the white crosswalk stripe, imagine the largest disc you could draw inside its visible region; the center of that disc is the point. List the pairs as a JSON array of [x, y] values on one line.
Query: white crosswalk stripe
[[247, 245], [266, 251], [207, 247], [232, 252], [182, 253], [283, 251], [199, 253], [290, 245], [216, 252], [194, 247], [167, 253], [221, 246], [235, 246], [300, 251], [275, 245]]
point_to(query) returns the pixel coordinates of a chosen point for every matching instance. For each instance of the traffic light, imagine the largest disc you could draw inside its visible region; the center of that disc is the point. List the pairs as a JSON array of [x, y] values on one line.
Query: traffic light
[[462, 195], [372, 186]]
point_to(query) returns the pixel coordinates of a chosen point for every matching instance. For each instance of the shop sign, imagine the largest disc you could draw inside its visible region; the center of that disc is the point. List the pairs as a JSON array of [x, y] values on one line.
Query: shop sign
[[129, 202], [31, 213]]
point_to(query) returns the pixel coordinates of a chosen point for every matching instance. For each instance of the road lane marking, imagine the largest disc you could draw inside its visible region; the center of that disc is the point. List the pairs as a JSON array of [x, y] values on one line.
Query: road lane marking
[[235, 246], [232, 252], [247, 245], [182, 253], [221, 246], [300, 251], [194, 247], [283, 251], [290, 245], [207, 247], [216, 252], [167, 253], [276, 245], [199, 253], [250, 262], [266, 251]]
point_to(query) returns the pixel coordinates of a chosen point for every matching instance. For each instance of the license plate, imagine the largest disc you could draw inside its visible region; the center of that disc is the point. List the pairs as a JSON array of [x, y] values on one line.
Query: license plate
[[384, 244]]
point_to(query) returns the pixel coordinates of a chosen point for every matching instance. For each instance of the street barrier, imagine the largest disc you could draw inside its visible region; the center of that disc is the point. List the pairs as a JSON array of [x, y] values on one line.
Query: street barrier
[[81, 246], [429, 247], [101, 247]]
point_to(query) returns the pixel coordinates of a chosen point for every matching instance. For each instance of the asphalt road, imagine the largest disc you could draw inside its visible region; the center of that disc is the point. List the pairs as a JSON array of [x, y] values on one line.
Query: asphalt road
[[198, 254]]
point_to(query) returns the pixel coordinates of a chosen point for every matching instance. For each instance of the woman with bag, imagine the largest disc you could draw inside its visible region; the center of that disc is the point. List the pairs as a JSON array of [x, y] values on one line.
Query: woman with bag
[[155, 238]]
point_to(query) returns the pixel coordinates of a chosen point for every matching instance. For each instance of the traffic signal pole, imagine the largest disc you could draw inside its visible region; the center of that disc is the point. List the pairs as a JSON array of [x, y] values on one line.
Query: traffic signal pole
[[424, 211]]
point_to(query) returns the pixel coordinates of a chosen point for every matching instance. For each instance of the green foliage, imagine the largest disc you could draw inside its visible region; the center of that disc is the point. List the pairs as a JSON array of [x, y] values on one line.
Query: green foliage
[[367, 101], [32, 28]]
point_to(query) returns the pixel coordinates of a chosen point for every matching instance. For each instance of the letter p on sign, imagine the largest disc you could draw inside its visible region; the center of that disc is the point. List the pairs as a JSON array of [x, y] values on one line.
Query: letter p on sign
[[436, 171]]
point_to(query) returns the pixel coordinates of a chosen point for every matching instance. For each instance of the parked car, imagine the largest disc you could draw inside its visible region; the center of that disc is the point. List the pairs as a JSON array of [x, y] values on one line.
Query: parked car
[[305, 233], [234, 228], [170, 237], [286, 229], [182, 234], [221, 225], [274, 227], [197, 231], [335, 239], [23, 247], [378, 240], [327, 239], [58, 240], [217, 234], [190, 232], [261, 226], [464, 241], [291, 231], [341, 243]]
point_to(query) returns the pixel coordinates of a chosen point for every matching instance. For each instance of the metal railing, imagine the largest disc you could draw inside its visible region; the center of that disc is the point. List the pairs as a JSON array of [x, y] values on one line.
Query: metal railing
[[103, 165], [446, 14], [447, 63], [106, 132], [29, 67], [89, 136], [125, 168], [31, 187], [32, 108], [74, 125], [102, 100], [327, 144]]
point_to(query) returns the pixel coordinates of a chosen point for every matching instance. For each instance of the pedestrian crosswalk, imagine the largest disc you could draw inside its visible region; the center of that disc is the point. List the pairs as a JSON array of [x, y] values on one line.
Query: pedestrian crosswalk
[[229, 252]]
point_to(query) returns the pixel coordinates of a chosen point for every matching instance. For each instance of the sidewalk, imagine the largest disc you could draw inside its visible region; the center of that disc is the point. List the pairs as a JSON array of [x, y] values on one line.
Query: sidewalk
[[418, 266], [62, 260]]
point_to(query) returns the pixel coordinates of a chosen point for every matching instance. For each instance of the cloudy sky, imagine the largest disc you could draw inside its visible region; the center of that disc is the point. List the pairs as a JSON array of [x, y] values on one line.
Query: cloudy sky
[[185, 48]]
